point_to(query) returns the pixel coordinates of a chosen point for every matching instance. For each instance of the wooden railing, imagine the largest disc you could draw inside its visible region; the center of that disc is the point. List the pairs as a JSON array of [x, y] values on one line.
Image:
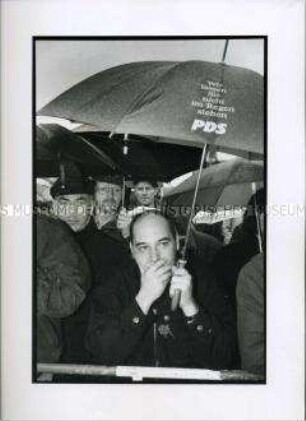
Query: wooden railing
[[140, 373]]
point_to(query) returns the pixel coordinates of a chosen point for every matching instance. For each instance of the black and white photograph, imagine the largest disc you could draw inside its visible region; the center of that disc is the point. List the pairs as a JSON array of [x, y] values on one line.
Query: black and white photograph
[[149, 230], [152, 210]]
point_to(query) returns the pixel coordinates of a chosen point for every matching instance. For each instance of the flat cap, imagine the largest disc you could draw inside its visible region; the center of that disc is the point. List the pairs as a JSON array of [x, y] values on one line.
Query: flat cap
[[72, 186], [112, 179]]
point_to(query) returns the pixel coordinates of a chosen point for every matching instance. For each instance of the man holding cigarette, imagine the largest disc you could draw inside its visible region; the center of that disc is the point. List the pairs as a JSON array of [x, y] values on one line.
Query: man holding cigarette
[[132, 322]]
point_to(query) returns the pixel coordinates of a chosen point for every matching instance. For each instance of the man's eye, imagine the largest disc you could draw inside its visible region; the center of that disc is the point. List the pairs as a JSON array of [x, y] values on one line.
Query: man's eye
[[142, 248], [165, 243]]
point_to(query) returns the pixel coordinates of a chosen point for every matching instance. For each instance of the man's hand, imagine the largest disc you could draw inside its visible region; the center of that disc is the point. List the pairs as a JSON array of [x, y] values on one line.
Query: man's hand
[[123, 222], [154, 280], [181, 280]]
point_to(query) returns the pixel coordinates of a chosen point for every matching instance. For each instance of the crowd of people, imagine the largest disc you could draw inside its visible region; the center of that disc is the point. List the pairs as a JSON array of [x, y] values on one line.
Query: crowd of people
[[107, 273]]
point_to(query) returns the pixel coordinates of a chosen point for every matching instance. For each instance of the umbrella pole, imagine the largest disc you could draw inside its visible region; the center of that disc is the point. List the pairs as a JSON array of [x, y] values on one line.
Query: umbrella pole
[[182, 261], [61, 170], [123, 193], [203, 157], [257, 218], [125, 152]]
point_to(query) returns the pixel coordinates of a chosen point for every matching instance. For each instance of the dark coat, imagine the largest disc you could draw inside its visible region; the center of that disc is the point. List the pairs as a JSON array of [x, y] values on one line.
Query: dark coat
[[251, 315], [106, 250], [62, 277], [119, 333], [230, 259]]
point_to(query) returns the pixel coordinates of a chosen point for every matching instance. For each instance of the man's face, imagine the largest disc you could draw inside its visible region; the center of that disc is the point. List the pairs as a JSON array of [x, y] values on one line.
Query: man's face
[[145, 193], [74, 209], [107, 197], [152, 241]]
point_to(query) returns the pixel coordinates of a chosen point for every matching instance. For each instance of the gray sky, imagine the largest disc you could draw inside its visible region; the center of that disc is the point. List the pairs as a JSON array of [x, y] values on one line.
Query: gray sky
[[61, 64]]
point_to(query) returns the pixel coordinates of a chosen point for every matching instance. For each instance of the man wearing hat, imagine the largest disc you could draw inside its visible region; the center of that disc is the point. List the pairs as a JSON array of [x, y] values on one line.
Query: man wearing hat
[[73, 201], [91, 210], [145, 192], [145, 197]]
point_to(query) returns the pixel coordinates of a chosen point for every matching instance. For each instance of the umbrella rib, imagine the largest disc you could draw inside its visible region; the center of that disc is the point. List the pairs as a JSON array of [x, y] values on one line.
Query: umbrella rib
[[142, 94], [225, 183], [103, 157]]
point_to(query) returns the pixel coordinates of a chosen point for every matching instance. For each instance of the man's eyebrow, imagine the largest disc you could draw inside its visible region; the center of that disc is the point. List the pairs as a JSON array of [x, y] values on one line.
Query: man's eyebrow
[[141, 243], [165, 239]]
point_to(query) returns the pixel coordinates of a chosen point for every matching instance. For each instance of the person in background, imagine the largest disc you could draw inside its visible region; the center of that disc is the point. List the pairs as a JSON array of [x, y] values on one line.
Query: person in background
[[90, 208], [106, 245], [100, 240], [146, 192], [145, 196], [62, 281], [73, 201], [108, 196], [250, 294], [215, 230], [131, 322], [244, 244], [200, 245]]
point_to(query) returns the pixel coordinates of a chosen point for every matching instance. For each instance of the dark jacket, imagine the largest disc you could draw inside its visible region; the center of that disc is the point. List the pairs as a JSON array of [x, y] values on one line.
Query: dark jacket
[[62, 277], [251, 315], [230, 259], [119, 333], [105, 250]]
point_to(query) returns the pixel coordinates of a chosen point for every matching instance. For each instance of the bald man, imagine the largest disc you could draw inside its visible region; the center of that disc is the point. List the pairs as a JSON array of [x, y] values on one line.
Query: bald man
[[132, 322]]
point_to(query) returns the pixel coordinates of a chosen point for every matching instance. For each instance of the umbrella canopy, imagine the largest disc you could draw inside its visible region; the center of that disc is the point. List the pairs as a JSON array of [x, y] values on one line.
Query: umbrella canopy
[[142, 157], [55, 143], [189, 103], [221, 185]]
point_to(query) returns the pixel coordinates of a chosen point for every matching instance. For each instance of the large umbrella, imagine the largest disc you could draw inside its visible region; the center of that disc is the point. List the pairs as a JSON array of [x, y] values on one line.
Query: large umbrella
[[99, 153], [55, 144], [137, 156], [227, 184], [189, 103], [221, 187], [192, 103]]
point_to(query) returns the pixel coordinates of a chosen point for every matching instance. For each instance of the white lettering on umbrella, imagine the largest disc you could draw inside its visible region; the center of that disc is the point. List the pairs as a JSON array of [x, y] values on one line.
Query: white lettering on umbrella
[[212, 104], [208, 126]]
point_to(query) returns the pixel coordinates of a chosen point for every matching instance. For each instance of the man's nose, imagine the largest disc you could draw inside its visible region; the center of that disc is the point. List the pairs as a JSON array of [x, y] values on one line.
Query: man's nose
[[110, 193], [154, 254]]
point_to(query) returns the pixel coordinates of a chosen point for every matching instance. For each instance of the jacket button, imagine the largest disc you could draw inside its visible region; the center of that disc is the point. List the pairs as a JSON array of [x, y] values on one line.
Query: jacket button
[[200, 328], [166, 318], [136, 320]]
